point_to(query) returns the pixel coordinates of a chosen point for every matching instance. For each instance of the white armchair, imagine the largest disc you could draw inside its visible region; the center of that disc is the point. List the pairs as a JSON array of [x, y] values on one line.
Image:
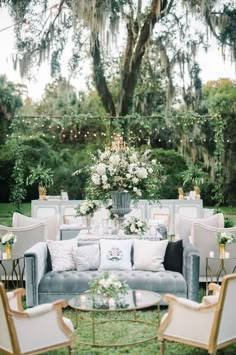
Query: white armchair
[[26, 238], [208, 326], [204, 238], [51, 224], [183, 224], [35, 330]]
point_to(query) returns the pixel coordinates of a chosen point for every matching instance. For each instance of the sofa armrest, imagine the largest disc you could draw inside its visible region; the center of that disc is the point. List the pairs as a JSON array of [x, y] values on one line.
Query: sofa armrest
[[36, 267], [191, 265]]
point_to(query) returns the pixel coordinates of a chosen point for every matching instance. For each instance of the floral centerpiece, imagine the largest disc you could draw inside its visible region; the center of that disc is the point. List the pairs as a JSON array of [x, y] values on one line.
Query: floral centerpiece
[[224, 238], [9, 239], [86, 208], [134, 225], [108, 286], [123, 169]]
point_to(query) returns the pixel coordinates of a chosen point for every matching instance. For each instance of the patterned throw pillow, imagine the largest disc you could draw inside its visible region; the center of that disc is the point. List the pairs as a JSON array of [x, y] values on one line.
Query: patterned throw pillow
[[87, 257], [115, 254], [61, 252], [149, 255]]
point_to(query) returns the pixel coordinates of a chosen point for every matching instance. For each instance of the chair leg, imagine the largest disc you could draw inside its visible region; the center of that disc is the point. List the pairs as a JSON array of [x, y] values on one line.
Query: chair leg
[[162, 347]]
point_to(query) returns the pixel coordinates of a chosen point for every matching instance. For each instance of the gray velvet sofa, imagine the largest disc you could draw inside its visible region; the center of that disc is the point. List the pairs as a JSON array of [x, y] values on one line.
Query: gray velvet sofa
[[44, 285]]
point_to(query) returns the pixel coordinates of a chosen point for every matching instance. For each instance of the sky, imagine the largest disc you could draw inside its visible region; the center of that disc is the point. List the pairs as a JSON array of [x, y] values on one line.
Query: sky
[[211, 63]]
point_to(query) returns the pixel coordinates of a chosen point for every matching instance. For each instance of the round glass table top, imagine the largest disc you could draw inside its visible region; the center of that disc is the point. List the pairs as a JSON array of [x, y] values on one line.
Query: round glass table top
[[134, 299]]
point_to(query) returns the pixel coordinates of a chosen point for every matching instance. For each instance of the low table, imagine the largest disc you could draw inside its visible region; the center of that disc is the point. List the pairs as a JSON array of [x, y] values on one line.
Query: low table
[[134, 300], [15, 274]]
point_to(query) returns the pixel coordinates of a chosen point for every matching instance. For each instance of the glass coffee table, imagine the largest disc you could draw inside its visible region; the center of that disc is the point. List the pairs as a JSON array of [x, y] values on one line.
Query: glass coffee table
[[133, 301]]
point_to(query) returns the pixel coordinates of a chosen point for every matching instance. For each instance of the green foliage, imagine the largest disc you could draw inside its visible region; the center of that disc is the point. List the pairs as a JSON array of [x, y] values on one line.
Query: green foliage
[[40, 175], [18, 191], [194, 176], [218, 190]]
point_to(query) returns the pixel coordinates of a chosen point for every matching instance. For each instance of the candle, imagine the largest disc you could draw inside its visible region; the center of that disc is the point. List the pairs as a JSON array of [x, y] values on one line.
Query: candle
[[226, 255], [4, 255], [211, 254]]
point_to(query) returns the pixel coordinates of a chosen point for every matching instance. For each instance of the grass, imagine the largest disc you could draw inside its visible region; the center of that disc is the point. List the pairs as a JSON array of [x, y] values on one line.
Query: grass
[[126, 332]]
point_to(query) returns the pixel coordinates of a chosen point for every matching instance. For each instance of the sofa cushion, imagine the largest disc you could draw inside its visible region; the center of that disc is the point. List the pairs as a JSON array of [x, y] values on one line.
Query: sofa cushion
[[173, 260], [61, 253], [115, 254], [149, 255], [87, 257]]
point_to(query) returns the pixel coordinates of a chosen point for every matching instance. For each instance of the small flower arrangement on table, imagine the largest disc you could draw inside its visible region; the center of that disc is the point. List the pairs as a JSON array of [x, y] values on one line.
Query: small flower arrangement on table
[[86, 208], [108, 285], [225, 238], [9, 239], [134, 225]]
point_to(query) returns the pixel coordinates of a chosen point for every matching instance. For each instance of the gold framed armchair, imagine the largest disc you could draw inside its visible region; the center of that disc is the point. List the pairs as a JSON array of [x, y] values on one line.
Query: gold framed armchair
[[209, 325], [34, 330]]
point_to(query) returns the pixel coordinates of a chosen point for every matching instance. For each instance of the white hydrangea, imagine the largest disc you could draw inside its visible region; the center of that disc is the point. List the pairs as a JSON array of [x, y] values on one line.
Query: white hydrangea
[[142, 173], [101, 169], [95, 179]]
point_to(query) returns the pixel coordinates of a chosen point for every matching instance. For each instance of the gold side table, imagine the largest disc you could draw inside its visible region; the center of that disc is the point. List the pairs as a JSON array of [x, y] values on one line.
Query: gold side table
[[15, 275], [221, 268]]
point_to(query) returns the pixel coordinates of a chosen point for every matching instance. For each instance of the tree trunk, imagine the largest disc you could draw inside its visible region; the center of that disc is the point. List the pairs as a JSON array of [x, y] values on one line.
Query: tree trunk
[[100, 80]]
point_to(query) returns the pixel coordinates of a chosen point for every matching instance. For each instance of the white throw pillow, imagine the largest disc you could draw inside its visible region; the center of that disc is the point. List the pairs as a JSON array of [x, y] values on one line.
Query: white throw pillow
[[87, 257], [62, 254], [115, 254], [149, 255]]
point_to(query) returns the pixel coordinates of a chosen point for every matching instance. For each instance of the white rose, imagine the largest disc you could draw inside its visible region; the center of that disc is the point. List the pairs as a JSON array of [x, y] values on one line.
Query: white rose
[[132, 228], [83, 209], [106, 186], [128, 176], [135, 180], [114, 159], [95, 179], [142, 173], [139, 224], [150, 170], [101, 169], [104, 178], [139, 192], [154, 161]]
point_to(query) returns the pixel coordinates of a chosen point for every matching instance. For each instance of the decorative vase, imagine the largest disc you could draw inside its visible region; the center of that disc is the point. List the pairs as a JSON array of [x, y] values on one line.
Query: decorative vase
[[222, 251], [8, 250], [88, 222], [120, 205], [42, 192]]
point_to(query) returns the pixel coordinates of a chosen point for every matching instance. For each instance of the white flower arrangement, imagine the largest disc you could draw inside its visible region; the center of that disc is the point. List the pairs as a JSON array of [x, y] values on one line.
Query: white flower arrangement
[[124, 169], [134, 225], [224, 238], [86, 208], [108, 285], [9, 239]]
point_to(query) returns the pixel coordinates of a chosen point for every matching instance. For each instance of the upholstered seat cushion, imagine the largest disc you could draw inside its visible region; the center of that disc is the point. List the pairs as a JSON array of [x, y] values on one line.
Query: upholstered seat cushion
[[67, 284]]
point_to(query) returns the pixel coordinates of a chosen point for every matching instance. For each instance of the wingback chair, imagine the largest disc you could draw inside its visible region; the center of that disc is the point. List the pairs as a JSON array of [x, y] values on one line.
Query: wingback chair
[[35, 330], [51, 224], [210, 326], [26, 238], [183, 224], [204, 238]]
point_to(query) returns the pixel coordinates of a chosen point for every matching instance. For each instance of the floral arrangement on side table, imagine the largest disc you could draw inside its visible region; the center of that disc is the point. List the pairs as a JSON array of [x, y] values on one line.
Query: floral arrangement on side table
[[9, 239], [108, 286], [134, 225], [224, 238], [86, 208]]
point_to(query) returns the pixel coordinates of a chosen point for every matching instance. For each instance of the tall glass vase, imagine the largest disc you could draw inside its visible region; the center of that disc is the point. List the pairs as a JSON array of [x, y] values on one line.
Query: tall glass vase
[[120, 205], [88, 223]]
